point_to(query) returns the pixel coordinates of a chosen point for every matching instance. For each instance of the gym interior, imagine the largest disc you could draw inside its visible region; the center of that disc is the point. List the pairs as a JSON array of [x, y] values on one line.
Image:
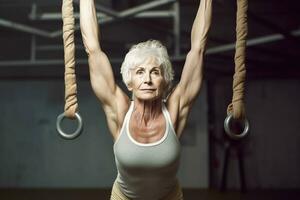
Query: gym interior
[[36, 163]]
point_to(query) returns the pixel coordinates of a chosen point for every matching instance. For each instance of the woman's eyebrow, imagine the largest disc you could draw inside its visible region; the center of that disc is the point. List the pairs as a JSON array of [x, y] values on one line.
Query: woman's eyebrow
[[156, 68], [143, 68], [138, 68]]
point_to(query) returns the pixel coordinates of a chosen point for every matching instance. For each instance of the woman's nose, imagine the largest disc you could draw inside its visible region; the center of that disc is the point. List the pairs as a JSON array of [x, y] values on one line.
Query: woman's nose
[[147, 78]]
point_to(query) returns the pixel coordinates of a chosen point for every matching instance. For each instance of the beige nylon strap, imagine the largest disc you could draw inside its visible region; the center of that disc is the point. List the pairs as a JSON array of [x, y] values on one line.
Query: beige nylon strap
[[69, 49], [237, 107]]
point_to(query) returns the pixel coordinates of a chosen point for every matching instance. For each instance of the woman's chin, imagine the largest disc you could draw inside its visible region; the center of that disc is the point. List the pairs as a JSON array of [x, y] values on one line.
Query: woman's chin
[[148, 97]]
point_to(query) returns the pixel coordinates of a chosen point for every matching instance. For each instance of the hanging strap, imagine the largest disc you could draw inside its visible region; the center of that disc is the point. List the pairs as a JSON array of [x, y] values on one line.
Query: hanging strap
[[237, 107], [71, 105]]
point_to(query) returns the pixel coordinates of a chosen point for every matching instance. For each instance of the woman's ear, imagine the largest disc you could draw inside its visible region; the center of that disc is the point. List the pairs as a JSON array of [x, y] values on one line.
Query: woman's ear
[[129, 87]]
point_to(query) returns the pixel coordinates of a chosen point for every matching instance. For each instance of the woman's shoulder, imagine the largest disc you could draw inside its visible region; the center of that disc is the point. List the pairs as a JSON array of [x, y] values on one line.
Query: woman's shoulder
[[115, 114], [122, 108]]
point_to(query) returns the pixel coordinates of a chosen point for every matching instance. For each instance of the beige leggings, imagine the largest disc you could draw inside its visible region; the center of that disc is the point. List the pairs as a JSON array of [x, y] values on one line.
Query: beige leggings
[[175, 194]]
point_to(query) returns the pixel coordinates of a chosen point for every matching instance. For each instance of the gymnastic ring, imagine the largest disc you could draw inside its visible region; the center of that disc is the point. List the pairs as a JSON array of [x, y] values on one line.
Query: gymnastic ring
[[73, 135], [230, 133]]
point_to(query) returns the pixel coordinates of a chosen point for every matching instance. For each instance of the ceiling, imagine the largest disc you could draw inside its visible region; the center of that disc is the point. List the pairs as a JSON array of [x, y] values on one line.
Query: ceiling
[[29, 51]]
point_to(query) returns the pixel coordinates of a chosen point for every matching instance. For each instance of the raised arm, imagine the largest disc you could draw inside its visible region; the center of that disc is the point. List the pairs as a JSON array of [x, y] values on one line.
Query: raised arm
[[101, 74], [113, 99], [191, 77]]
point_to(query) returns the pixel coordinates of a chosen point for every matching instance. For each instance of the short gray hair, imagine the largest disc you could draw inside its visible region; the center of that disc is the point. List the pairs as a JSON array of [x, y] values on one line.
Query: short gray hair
[[140, 52]]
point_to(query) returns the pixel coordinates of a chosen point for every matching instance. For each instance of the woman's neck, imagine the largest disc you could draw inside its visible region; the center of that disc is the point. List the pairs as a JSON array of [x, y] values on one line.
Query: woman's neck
[[146, 112]]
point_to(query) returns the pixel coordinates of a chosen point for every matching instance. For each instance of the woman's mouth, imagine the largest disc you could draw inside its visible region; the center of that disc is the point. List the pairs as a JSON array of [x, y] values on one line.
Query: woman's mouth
[[148, 90]]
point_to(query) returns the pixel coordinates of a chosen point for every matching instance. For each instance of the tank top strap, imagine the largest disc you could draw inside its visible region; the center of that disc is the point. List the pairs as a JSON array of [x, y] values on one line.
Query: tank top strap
[[128, 114], [168, 117]]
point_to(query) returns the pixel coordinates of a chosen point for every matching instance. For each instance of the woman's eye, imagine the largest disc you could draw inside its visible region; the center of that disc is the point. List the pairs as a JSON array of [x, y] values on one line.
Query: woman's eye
[[155, 72], [139, 72]]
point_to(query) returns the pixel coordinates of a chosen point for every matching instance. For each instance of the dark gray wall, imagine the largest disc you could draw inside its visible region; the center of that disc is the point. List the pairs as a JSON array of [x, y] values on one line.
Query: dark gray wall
[[33, 155], [272, 150]]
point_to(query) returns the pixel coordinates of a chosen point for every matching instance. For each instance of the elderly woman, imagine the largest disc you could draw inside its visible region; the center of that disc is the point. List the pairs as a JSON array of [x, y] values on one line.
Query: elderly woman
[[146, 130]]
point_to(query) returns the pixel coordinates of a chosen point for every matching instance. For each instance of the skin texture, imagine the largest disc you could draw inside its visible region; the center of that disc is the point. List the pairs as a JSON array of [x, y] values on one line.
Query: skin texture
[[147, 123], [147, 82]]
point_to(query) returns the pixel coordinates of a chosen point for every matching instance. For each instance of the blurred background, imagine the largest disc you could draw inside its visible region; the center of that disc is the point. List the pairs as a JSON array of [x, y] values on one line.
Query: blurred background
[[35, 163]]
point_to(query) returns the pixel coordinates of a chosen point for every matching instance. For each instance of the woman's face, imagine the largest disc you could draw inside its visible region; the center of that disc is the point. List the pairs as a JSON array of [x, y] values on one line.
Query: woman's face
[[147, 80]]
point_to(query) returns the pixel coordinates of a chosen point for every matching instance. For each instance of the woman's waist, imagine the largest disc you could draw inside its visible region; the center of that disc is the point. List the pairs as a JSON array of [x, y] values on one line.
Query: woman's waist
[[147, 187]]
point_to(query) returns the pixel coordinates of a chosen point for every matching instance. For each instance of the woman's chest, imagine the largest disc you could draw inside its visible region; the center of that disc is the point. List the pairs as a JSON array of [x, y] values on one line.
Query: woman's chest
[[147, 132]]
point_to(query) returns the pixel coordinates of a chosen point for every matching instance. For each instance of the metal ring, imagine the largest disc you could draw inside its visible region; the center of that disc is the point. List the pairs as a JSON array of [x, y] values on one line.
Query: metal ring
[[234, 135], [67, 135]]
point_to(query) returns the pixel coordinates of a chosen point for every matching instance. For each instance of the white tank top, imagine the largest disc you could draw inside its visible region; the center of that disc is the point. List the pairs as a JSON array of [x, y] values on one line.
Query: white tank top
[[147, 171]]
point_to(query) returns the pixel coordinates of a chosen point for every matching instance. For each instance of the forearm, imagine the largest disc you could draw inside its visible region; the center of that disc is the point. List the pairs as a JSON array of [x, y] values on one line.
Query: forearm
[[89, 26], [192, 73], [201, 25], [101, 74]]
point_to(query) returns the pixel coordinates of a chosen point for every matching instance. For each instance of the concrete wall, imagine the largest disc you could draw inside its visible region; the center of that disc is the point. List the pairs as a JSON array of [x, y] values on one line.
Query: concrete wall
[[272, 150], [32, 155]]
